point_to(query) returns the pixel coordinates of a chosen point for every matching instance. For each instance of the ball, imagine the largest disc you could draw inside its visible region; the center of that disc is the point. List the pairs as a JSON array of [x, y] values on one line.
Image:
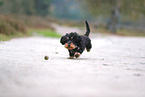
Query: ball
[[46, 57]]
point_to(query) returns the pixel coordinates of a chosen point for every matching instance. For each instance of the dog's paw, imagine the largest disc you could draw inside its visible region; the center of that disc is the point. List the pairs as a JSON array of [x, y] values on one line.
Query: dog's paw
[[77, 55], [88, 50]]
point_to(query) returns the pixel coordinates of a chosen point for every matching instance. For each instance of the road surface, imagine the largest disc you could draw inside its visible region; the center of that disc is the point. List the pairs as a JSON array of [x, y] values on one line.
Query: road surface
[[115, 67]]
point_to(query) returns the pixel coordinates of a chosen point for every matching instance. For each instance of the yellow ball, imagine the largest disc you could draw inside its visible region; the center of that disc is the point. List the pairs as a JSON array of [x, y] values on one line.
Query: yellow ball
[[46, 57]]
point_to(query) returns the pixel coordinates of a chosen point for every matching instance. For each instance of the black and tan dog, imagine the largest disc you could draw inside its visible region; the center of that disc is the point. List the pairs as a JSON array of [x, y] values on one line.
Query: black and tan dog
[[76, 43]]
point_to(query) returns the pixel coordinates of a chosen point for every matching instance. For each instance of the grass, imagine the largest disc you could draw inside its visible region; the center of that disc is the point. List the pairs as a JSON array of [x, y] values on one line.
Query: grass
[[4, 37], [44, 32], [122, 32], [125, 32], [13, 27], [38, 31]]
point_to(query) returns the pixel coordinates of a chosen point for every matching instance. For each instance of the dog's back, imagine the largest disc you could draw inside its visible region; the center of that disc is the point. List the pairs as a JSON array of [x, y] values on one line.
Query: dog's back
[[86, 40]]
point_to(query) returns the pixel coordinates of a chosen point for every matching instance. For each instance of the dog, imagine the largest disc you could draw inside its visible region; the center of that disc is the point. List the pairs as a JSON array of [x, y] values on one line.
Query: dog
[[76, 43]]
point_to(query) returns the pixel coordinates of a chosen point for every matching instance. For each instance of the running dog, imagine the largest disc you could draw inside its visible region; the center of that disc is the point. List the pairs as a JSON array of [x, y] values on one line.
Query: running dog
[[76, 43]]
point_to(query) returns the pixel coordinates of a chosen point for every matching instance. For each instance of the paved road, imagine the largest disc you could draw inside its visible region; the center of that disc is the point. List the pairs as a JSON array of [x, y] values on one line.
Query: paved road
[[115, 67]]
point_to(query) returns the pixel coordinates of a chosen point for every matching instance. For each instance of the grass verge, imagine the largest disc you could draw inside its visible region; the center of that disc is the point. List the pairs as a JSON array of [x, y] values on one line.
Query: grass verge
[[4, 37], [122, 32], [30, 32], [44, 32]]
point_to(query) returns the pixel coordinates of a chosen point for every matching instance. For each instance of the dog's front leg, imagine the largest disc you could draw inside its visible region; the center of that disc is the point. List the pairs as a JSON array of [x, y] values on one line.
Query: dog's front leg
[[71, 54], [78, 52]]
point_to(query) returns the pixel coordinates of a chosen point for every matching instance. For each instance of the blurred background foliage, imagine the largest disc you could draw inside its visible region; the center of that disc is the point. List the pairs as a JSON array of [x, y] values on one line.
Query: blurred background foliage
[[17, 15]]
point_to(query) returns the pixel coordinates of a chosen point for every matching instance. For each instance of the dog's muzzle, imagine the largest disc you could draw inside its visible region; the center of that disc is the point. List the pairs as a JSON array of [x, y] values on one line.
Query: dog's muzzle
[[70, 46]]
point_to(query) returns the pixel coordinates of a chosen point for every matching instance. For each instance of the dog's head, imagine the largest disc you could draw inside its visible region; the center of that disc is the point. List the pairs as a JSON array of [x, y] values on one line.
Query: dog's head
[[71, 40]]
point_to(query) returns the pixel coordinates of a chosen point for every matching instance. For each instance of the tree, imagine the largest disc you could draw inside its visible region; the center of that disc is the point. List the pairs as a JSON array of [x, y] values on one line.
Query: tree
[[114, 19], [28, 7], [1, 2], [18, 7], [126, 8], [42, 7]]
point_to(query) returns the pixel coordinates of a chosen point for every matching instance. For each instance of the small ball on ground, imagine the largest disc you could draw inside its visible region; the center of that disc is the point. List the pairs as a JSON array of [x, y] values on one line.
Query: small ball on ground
[[56, 52], [46, 57]]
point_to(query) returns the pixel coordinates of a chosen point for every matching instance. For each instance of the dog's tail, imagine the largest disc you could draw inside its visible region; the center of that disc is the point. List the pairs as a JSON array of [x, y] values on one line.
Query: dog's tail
[[87, 29]]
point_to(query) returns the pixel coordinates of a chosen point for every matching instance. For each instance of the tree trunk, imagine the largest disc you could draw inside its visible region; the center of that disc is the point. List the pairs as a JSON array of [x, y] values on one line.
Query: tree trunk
[[113, 22]]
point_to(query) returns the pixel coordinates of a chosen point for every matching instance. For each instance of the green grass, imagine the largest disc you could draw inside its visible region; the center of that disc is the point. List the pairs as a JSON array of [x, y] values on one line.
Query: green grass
[[44, 32], [125, 32], [122, 32], [4, 37]]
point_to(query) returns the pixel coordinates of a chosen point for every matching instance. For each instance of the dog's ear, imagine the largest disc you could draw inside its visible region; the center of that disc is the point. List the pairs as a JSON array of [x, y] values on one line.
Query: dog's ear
[[63, 40]]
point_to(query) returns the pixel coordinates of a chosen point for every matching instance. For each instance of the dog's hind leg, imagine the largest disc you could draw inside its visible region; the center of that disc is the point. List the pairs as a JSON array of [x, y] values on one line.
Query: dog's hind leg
[[88, 47]]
